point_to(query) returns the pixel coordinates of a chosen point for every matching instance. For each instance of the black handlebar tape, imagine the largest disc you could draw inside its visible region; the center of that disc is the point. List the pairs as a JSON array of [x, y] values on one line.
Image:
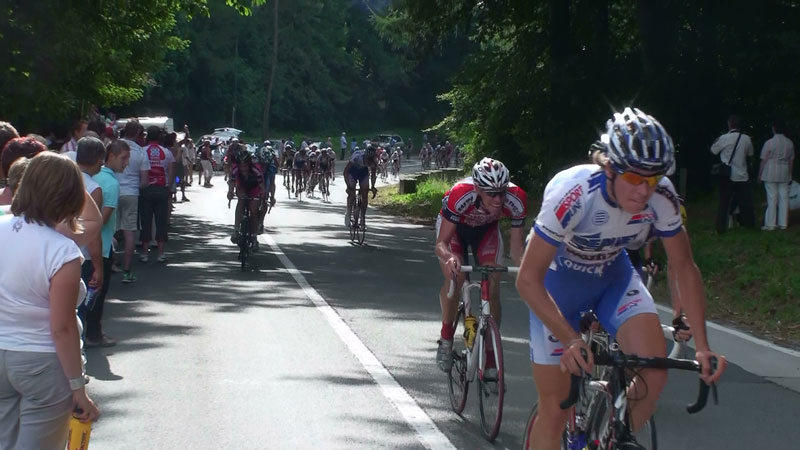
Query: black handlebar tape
[[575, 383], [702, 398], [702, 395]]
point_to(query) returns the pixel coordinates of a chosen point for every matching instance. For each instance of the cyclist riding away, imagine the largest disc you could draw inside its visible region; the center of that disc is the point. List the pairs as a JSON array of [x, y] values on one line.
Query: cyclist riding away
[[575, 262], [249, 182], [362, 165], [469, 217], [267, 163]]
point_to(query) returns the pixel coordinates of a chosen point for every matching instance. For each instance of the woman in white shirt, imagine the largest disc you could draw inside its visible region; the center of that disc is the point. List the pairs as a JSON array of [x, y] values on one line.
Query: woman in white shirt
[[41, 373]]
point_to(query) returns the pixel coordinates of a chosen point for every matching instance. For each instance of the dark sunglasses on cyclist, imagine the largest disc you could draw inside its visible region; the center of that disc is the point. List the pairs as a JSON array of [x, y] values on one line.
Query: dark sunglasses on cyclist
[[637, 179], [495, 194]]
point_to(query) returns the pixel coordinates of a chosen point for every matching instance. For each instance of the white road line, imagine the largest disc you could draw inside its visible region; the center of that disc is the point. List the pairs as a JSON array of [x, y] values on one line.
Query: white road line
[[741, 335], [427, 431]]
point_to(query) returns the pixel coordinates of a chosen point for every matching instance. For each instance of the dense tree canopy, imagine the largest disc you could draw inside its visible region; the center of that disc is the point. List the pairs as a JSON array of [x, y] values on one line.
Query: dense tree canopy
[[545, 75], [530, 81]]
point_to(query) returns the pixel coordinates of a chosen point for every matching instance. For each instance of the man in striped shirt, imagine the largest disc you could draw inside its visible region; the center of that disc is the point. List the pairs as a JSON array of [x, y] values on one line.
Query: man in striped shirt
[[78, 130]]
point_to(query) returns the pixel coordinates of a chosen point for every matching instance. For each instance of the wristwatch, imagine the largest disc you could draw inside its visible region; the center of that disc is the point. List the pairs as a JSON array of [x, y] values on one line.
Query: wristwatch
[[77, 383]]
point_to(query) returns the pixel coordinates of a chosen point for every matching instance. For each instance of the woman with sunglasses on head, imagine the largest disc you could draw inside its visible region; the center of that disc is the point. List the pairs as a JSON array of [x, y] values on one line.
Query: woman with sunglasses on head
[[575, 262], [469, 217]]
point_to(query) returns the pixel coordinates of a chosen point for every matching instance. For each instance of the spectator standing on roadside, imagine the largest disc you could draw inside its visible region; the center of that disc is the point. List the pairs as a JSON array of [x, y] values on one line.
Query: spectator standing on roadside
[[189, 158], [735, 187], [42, 379], [78, 130], [118, 155], [155, 197], [409, 148], [329, 143], [343, 144], [131, 180], [777, 159], [90, 156], [205, 163]]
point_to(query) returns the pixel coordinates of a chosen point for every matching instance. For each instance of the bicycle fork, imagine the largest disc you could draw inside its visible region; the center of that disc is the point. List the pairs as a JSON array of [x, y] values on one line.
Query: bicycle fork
[[477, 354]]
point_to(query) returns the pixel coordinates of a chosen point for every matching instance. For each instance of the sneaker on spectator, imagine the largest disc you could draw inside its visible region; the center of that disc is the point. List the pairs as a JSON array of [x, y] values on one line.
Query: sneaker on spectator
[[128, 277], [162, 258], [103, 341], [115, 268], [143, 258]]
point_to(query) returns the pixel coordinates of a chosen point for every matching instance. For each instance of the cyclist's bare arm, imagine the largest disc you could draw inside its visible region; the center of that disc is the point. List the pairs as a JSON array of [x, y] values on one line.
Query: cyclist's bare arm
[[446, 232], [693, 300], [530, 284], [517, 244]]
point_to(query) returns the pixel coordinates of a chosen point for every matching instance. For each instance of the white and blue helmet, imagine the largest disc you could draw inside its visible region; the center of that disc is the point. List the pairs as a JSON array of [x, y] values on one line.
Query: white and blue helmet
[[637, 141]]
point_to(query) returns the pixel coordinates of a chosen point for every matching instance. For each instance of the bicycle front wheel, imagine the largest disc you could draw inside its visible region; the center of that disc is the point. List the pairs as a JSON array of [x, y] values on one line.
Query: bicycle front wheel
[[491, 392], [362, 225], [457, 377]]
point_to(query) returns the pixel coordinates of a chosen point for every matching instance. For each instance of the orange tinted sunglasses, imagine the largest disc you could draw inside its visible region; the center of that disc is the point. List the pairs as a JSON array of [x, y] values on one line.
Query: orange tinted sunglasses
[[636, 179]]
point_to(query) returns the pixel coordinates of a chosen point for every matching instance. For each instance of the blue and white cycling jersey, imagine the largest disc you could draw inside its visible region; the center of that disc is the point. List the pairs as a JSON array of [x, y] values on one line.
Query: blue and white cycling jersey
[[589, 229], [357, 159], [590, 232]]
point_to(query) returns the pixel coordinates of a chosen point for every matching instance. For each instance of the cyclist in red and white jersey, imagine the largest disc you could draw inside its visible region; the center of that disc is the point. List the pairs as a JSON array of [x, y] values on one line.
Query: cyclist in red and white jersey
[[469, 217], [575, 261]]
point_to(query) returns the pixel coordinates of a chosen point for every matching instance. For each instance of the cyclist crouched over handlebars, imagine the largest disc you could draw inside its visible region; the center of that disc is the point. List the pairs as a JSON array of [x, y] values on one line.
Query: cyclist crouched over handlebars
[[249, 183], [470, 216], [575, 262]]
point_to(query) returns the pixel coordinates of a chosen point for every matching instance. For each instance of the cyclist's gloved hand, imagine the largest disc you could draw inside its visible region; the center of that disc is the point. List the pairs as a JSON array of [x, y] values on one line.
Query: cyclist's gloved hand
[[683, 331], [577, 357], [374, 192], [710, 375], [230, 195]]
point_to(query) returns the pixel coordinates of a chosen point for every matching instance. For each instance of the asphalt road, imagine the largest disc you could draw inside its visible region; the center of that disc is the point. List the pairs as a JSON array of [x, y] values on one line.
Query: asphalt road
[[322, 344]]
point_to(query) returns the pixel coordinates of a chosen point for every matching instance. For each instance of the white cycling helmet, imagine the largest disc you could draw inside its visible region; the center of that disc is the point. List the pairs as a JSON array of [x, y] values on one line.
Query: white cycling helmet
[[637, 141], [490, 175]]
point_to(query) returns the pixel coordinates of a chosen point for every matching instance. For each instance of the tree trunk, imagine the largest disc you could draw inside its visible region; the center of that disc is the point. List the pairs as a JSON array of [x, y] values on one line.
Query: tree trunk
[[265, 123]]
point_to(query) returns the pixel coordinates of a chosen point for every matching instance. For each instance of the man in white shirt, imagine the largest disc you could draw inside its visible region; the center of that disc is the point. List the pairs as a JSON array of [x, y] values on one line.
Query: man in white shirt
[[131, 180], [733, 149], [343, 144], [90, 156]]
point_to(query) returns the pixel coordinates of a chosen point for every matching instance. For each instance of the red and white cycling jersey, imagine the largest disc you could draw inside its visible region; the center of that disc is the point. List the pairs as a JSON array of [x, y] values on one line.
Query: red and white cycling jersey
[[160, 159], [460, 205]]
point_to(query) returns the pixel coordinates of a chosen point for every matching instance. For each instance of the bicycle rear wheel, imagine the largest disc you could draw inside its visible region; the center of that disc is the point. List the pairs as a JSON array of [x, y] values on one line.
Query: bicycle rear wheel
[[457, 377], [491, 392]]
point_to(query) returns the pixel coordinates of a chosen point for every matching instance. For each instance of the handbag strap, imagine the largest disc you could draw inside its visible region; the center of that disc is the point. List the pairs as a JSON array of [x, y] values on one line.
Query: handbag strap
[[734, 148]]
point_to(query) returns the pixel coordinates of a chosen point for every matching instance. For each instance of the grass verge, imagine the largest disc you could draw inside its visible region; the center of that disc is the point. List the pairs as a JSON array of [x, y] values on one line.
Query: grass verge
[[752, 278]]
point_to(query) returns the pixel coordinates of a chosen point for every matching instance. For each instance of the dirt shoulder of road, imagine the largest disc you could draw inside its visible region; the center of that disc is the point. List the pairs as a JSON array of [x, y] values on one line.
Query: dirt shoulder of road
[[752, 278]]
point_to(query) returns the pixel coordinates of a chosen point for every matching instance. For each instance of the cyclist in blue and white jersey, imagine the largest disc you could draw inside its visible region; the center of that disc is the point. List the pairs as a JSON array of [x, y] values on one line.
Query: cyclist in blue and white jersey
[[362, 165], [575, 262]]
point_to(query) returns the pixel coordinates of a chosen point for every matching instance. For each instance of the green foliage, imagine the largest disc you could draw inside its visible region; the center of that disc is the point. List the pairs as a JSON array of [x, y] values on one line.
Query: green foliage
[[424, 204], [542, 77], [333, 71]]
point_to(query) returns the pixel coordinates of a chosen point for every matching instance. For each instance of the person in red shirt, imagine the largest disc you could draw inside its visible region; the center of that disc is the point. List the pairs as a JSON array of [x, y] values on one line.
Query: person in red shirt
[[155, 197], [469, 217]]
